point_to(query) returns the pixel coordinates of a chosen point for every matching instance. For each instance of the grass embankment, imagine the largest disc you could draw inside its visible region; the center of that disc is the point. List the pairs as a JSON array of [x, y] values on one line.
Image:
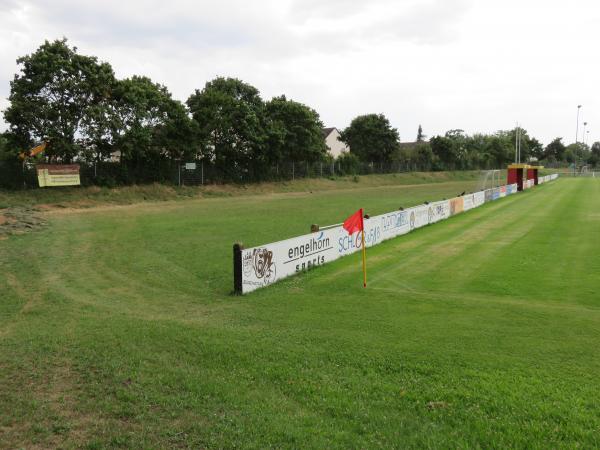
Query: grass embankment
[[85, 197], [117, 328]]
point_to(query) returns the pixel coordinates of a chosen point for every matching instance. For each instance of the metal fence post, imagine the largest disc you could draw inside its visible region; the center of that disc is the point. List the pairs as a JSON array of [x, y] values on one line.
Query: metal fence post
[[293, 171], [202, 168]]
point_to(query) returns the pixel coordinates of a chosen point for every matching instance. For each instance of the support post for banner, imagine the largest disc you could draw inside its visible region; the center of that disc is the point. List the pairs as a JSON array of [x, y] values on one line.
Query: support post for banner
[[202, 171], [237, 268]]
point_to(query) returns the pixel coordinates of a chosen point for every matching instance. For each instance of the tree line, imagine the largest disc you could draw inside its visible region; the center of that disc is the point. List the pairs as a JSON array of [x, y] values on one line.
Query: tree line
[[86, 114]]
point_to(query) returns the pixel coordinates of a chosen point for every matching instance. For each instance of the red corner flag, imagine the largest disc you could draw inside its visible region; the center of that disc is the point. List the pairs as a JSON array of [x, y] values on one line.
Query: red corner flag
[[353, 224]]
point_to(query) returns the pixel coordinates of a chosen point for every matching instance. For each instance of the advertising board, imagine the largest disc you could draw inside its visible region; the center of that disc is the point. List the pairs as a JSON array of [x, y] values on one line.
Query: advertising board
[[268, 263], [51, 175]]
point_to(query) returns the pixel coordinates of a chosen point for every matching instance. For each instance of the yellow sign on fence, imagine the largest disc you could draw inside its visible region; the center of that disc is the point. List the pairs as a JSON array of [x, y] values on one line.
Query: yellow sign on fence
[[58, 175]]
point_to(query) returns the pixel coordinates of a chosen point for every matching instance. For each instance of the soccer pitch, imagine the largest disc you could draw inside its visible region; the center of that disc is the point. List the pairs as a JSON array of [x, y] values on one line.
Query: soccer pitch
[[118, 330]]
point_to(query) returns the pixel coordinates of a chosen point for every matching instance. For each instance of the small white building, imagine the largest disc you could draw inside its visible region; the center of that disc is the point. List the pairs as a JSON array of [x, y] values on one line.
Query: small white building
[[333, 143]]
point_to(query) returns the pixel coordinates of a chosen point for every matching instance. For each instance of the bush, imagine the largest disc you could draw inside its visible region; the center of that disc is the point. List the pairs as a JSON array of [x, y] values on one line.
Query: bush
[[348, 164]]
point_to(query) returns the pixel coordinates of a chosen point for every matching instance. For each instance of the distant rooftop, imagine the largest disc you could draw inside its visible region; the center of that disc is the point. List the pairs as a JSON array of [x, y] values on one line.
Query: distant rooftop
[[327, 131]]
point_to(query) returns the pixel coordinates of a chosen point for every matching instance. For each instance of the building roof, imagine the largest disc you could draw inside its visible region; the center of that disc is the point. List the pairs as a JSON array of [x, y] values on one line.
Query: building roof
[[328, 131]]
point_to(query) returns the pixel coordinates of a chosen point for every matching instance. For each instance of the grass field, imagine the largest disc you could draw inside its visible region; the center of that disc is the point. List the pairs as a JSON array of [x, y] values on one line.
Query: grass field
[[118, 330]]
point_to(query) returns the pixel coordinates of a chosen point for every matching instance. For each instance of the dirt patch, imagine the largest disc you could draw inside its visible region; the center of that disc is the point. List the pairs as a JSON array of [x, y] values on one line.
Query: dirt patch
[[436, 405], [58, 420], [19, 221]]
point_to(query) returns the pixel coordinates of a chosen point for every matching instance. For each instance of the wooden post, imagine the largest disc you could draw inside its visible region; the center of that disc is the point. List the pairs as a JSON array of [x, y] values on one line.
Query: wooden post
[[237, 268]]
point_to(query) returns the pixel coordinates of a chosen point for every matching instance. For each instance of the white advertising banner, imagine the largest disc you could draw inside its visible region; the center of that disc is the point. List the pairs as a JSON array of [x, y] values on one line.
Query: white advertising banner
[[479, 198], [266, 264]]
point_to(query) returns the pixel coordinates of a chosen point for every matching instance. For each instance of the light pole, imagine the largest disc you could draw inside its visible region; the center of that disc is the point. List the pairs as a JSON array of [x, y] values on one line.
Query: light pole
[[587, 135], [577, 127]]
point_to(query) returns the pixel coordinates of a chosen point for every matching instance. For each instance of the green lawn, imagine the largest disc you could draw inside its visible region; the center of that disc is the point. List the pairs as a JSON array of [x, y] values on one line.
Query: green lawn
[[117, 327]]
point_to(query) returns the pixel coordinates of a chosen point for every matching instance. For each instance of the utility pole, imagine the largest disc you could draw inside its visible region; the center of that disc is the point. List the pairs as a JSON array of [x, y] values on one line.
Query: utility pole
[[577, 127]]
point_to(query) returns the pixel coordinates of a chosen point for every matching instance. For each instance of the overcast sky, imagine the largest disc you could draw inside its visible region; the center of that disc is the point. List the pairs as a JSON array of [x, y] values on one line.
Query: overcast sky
[[476, 65]]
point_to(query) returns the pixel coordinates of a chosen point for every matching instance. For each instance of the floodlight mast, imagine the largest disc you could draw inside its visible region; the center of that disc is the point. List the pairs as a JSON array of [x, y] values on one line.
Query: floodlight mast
[[577, 127], [518, 144], [516, 147], [519, 130]]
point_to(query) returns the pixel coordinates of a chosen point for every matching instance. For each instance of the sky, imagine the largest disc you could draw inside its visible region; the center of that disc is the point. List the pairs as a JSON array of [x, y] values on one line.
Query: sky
[[480, 66]]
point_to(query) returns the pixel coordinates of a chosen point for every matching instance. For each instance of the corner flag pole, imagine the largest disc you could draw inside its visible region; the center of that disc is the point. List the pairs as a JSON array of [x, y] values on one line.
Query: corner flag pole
[[353, 224], [364, 249]]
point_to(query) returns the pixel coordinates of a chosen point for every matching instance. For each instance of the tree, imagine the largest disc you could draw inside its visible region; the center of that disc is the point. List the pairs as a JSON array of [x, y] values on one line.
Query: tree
[[536, 149], [594, 158], [420, 136], [443, 147], [499, 148], [577, 153], [555, 150], [5, 152], [230, 118], [348, 163], [50, 98], [424, 155], [459, 143], [371, 138], [148, 124], [295, 131], [478, 156]]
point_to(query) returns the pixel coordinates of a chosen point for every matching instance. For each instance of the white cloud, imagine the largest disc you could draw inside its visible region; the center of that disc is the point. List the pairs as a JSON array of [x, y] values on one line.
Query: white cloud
[[479, 66]]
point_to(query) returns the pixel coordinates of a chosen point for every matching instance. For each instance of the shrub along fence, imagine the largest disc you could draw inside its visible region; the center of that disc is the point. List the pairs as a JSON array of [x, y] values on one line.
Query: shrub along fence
[[15, 175]]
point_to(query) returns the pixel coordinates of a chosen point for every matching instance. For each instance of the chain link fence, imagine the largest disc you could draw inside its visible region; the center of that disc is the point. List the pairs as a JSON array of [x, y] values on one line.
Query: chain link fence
[[15, 175]]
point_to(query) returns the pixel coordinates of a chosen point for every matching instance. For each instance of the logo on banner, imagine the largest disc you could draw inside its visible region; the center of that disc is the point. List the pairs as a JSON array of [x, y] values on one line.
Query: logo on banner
[[248, 263], [261, 261]]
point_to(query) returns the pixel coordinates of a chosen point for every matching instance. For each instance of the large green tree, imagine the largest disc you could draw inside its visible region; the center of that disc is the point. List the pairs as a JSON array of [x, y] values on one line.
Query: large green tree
[[371, 138], [424, 155], [444, 149], [295, 131], [52, 94], [230, 118], [577, 153], [148, 124], [555, 150], [594, 158], [536, 149], [499, 149]]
